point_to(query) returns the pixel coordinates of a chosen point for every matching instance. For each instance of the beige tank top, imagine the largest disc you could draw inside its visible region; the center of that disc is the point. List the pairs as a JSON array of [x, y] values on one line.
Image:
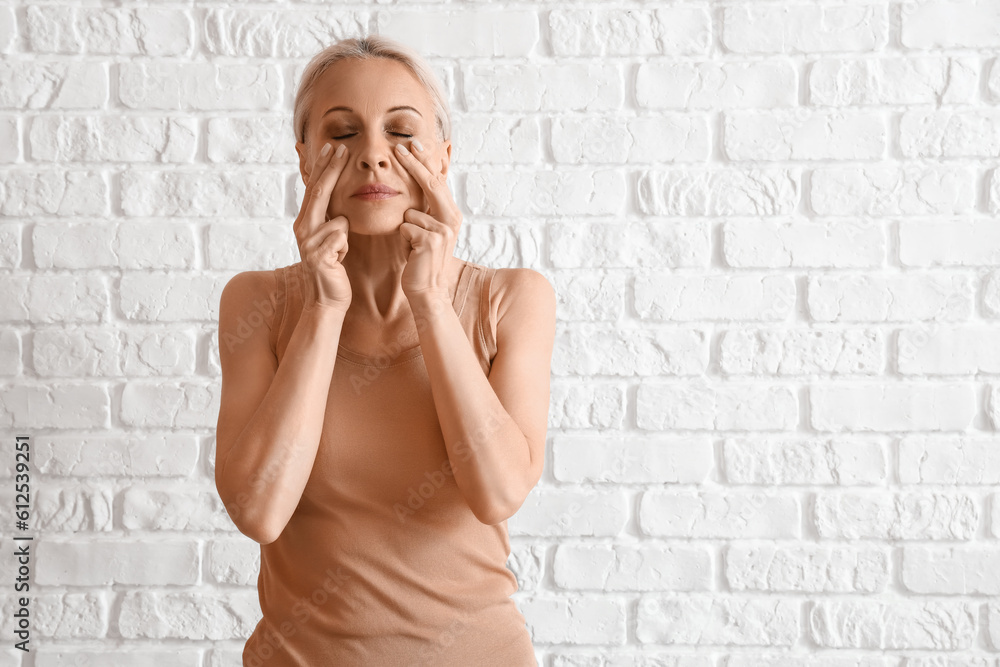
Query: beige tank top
[[383, 562]]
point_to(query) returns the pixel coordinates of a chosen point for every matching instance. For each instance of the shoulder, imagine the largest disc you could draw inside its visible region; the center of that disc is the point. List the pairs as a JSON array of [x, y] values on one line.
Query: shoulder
[[522, 290], [247, 292]]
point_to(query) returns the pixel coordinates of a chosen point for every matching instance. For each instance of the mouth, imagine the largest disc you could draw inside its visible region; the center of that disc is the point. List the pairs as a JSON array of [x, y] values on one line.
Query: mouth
[[374, 192]]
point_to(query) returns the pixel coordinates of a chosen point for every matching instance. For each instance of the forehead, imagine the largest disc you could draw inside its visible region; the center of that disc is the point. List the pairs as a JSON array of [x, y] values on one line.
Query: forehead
[[369, 87]]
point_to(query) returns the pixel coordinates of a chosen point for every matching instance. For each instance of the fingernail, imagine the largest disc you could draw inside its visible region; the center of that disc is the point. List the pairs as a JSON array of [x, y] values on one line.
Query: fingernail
[[416, 144], [402, 149], [341, 149], [326, 149]]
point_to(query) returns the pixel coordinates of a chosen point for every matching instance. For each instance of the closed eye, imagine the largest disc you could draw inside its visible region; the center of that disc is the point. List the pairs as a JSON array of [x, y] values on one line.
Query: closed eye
[[398, 134]]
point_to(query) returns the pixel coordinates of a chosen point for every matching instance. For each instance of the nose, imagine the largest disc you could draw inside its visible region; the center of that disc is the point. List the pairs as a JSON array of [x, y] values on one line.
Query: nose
[[374, 153]]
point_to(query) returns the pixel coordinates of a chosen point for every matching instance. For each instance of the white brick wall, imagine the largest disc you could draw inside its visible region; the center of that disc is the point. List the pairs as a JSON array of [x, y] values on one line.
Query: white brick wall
[[772, 231]]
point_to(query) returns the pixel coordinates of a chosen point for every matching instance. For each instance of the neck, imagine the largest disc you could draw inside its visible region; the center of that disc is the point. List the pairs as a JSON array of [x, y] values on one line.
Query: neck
[[374, 265]]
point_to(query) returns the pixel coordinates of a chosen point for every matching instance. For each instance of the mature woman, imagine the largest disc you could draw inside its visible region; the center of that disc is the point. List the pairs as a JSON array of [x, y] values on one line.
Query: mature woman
[[388, 412]]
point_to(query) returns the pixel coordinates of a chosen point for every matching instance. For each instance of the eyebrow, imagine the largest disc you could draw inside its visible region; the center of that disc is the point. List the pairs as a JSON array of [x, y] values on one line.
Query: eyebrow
[[399, 108]]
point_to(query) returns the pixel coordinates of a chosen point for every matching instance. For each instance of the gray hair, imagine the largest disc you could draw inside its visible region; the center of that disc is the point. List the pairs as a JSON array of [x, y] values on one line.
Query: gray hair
[[366, 48]]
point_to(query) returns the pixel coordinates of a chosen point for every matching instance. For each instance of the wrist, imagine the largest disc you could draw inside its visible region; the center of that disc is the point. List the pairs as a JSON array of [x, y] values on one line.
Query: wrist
[[427, 304]]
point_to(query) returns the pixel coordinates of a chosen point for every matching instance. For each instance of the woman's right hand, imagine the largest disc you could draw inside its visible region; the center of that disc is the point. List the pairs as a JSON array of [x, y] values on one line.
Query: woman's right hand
[[323, 243]]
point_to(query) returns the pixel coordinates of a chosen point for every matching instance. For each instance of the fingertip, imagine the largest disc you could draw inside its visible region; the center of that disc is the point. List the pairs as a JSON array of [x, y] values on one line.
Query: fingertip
[[341, 149]]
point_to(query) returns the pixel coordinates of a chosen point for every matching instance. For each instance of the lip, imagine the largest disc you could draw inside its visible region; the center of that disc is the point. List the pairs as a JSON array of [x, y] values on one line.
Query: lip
[[375, 191]]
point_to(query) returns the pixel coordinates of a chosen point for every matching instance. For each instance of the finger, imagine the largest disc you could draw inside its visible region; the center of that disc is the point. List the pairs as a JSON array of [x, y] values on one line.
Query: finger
[[435, 186], [323, 233], [330, 166]]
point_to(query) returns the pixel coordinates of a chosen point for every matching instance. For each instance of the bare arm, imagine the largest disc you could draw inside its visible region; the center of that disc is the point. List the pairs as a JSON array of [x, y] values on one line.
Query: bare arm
[[494, 427], [271, 416]]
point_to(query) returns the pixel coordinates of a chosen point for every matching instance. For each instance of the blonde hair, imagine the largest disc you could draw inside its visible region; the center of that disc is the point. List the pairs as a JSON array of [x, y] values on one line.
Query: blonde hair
[[366, 48]]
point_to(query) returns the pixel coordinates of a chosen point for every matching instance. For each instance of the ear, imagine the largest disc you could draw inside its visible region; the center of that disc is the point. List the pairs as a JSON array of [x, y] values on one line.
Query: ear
[[304, 164], [446, 160]]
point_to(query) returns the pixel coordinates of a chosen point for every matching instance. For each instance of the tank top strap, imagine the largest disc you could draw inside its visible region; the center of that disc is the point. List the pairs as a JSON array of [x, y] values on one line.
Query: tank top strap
[[278, 305], [289, 297], [487, 319]]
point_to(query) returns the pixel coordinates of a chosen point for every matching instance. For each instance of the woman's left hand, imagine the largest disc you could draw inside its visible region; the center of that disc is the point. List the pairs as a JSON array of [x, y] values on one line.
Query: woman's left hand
[[432, 234]]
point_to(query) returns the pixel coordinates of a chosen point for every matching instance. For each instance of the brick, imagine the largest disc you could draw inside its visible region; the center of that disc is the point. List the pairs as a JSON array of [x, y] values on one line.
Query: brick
[[892, 406], [53, 85], [776, 243], [912, 189], [70, 615], [784, 461], [276, 33], [107, 562], [179, 404], [632, 568], [59, 405], [600, 459], [895, 516], [10, 245], [541, 193], [46, 656], [699, 404], [954, 460], [72, 508], [948, 243], [937, 349], [788, 352], [559, 87], [589, 295], [485, 139], [588, 350], [188, 615], [891, 80], [145, 31], [718, 192], [668, 84], [202, 194], [246, 246], [198, 86], [10, 140], [53, 192], [262, 139], [803, 660], [588, 405], [100, 353], [614, 245], [951, 570], [630, 32], [971, 24], [950, 133], [162, 297], [731, 515], [10, 353], [470, 33], [808, 568], [803, 134], [94, 455], [991, 293], [8, 29], [804, 28], [670, 137], [896, 624], [713, 619], [174, 508], [575, 620], [678, 298], [905, 297], [554, 512], [75, 138], [233, 561]]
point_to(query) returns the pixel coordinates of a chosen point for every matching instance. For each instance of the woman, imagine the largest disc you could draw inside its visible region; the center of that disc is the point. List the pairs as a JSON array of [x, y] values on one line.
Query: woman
[[377, 433]]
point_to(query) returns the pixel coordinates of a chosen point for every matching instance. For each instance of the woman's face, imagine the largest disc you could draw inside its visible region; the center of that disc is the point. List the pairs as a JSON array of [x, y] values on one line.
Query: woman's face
[[370, 106]]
